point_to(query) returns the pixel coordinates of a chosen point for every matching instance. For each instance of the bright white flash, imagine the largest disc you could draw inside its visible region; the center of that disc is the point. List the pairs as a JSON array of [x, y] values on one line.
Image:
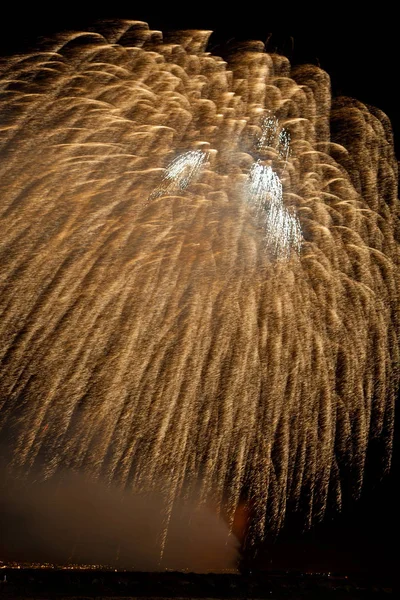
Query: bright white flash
[[264, 186], [264, 192], [180, 172], [282, 227]]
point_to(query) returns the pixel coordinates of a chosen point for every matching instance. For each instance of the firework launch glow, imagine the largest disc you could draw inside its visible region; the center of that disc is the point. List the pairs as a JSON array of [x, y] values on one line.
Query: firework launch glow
[[199, 272]]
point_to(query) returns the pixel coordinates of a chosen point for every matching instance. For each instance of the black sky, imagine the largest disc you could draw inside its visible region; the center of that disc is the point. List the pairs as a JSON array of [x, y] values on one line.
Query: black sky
[[361, 56]]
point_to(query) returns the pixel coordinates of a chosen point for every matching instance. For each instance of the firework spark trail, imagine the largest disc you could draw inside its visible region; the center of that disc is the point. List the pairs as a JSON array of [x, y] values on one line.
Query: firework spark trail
[[148, 336]]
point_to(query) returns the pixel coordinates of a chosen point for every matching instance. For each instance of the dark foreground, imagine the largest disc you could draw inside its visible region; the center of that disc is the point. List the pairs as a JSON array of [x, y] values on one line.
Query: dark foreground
[[59, 584]]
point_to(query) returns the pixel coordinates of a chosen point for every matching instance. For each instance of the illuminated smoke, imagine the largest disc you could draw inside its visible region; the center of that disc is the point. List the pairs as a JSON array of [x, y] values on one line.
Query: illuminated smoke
[[71, 519], [149, 335]]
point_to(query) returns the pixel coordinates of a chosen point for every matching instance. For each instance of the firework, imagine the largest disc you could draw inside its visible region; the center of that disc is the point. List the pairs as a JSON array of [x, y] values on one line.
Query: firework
[[199, 272]]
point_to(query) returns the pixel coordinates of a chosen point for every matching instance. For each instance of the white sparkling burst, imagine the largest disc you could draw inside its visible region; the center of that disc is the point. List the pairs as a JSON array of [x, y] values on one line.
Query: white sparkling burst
[[264, 186], [282, 227], [180, 172]]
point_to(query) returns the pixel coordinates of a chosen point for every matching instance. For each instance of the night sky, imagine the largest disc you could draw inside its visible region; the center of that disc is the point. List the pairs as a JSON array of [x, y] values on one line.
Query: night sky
[[362, 60]]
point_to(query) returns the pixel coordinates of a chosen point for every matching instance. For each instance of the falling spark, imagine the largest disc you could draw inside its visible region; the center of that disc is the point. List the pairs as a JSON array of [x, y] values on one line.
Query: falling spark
[[149, 335]]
